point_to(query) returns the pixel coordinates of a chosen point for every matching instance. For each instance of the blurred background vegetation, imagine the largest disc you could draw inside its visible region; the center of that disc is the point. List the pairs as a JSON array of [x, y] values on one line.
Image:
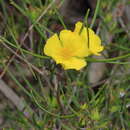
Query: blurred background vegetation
[[35, 93]]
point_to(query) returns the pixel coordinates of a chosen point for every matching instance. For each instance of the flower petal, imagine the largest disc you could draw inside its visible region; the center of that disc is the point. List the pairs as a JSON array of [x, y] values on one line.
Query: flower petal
[[95, 45], [68, 38], [94, 42], [84, 34], [70, 48], [74, 42], [74, 63], [52, 46]]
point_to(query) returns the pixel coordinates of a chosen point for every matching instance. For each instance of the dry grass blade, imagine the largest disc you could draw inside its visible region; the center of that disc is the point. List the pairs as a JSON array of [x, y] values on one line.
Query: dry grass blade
[[29, 64], [15, 99]]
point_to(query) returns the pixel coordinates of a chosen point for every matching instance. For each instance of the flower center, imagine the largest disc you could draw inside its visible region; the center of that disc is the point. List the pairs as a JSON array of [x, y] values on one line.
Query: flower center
[[66, 53]]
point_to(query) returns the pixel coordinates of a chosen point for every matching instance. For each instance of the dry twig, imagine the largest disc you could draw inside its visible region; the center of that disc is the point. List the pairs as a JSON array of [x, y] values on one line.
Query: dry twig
[[15, 99]]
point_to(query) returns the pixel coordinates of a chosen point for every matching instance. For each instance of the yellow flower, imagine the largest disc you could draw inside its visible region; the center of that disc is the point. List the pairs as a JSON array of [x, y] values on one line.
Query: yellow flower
[[70, 48], [94, 42]]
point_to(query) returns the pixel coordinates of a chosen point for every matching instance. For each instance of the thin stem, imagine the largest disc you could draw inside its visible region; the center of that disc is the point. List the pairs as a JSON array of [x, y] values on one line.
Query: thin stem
[[85, 21], [50, 113], [23, 50], [95, 13], [109, 59]]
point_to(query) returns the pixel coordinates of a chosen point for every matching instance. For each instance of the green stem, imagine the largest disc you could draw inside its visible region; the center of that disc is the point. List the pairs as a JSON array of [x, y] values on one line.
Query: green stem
[[24, 50], [85, 21], [109, 59], [95, 13], [50, 113]]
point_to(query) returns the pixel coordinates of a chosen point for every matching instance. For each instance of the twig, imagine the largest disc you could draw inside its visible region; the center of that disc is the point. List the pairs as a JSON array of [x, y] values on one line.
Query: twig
[[8, 63], [38, 19], [57, 90], [22, 41], [14, 98], [70, 99], [29, 64], [124, 26]]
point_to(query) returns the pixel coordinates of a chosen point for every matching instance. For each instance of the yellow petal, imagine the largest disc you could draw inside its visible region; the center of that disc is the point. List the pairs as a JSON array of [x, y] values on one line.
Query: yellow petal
[[94, 42], [74, 42], [52, 46], [68, 38], [95, 45], [84, 32], [70, 48], [78, 26], [74, 63]]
